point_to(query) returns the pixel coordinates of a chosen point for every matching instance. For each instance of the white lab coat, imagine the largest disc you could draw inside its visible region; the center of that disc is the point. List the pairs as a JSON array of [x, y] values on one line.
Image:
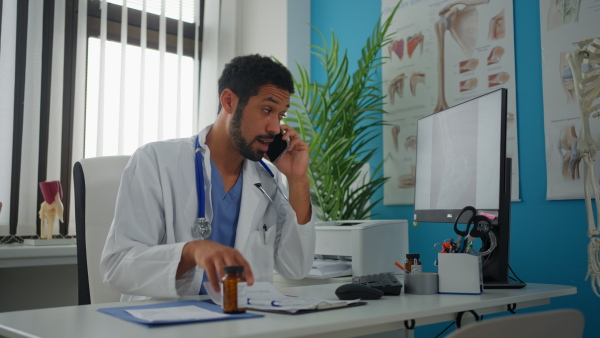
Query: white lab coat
[[157, 206]]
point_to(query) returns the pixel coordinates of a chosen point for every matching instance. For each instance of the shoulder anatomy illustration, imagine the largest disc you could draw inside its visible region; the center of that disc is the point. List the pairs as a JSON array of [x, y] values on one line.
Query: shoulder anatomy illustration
[[460, 18]]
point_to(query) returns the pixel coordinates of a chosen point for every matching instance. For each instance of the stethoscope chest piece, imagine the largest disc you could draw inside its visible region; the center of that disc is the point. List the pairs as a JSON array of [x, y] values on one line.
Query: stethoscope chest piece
[[201, 229]]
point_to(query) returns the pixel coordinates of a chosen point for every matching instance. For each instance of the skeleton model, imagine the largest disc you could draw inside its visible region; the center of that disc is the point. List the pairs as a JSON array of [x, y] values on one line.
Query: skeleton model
[[585, 67], [460, 18], [50, 208]]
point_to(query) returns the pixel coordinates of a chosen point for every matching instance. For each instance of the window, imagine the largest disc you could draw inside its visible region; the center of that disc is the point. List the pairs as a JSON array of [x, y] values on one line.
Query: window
[[51, 54], [145, 87]]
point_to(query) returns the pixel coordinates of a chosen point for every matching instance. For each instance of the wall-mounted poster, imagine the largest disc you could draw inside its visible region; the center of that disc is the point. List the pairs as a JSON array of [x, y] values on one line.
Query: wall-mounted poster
[[563, 24], [443, 53]]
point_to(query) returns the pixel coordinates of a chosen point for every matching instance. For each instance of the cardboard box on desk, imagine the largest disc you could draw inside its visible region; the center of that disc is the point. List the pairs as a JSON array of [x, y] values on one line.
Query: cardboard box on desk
[[460, 273]]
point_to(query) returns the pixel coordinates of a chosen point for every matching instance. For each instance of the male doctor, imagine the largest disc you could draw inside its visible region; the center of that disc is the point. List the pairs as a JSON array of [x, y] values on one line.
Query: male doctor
[[164, 241]]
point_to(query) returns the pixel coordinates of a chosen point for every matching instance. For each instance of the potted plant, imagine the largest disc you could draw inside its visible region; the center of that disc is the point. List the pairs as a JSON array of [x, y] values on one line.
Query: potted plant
[[338, 119]]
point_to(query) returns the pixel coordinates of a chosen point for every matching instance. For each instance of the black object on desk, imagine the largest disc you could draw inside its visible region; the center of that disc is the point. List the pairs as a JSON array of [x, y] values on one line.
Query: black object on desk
[[385, 281], [357, 291]]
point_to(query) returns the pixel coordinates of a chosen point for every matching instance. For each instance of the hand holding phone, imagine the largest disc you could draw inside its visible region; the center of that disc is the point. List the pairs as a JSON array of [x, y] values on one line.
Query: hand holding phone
[[277, 148]]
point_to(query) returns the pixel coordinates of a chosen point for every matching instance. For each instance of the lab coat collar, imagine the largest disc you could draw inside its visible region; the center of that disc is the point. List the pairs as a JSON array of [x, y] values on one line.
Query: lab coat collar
[[202, 135]]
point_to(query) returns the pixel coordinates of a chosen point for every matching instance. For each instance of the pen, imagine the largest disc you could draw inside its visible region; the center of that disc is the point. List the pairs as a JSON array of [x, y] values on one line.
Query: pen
[[263, 302], [401, 267], [264, 234], [259, 186], [469, 247]]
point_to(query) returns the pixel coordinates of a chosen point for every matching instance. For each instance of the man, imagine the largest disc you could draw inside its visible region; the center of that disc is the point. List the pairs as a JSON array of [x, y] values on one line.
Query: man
[[157, 247]]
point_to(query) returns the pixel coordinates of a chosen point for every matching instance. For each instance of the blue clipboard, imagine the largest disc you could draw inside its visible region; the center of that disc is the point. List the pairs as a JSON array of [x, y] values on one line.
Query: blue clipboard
[[121, 313]]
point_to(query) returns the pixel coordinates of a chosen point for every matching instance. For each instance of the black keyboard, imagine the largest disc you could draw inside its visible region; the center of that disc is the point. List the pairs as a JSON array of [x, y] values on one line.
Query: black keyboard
[[385, 281]]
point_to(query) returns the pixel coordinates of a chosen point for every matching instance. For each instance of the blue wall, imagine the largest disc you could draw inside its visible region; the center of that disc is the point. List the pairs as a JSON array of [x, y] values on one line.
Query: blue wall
[[548, 238]]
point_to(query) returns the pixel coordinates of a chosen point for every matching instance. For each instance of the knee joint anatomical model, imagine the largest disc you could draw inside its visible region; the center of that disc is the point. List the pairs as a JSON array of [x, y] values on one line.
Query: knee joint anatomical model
[[50, 208], [585, 68], [460, 18]]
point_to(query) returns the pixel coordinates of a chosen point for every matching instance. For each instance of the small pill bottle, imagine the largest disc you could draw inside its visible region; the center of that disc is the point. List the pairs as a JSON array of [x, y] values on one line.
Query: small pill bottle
[[234, 297], [413, 264]]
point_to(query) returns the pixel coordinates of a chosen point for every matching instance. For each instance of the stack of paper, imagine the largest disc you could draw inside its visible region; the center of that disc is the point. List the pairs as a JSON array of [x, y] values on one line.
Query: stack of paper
[[263, 296], [329, 268]]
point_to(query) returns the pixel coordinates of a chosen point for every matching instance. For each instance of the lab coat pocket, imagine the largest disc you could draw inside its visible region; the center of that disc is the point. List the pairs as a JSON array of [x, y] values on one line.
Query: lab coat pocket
[[260, 253]]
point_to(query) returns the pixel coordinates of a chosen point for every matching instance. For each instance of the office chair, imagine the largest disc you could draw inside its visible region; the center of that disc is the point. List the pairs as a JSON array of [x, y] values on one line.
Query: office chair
[[564, 323], [96, 183]]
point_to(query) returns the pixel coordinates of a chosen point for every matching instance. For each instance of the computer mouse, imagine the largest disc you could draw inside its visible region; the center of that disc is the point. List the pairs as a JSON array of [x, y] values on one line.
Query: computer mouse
[[357, 291]]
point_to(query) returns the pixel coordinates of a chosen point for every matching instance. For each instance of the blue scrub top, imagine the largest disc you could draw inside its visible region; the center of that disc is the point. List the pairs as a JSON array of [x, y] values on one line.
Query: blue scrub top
[[226, 211]]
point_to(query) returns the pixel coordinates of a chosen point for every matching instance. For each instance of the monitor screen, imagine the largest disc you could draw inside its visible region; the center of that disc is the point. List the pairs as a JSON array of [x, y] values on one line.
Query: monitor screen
[[461, 155], [461, 161]]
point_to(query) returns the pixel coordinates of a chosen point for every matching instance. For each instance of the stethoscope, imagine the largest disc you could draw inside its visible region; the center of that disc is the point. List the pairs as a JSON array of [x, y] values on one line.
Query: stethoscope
[[202, 227]]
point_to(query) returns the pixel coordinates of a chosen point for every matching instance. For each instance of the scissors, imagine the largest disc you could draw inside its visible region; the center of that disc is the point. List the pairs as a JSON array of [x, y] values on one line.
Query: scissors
[[481, 227]]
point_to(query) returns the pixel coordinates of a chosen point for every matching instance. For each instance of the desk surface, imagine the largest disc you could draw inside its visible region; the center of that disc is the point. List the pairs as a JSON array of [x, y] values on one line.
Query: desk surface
[[386, 314]]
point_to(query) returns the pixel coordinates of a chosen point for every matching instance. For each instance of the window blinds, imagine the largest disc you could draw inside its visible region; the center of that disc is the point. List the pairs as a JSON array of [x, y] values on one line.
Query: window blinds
[[44, 120]]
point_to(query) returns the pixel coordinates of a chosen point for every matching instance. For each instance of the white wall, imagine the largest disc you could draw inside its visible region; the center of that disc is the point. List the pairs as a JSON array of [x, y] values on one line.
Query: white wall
[[268, 27], [276, 28]]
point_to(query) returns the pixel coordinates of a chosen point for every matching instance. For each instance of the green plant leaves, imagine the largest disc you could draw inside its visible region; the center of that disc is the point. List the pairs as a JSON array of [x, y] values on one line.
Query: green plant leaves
[[338, 119]]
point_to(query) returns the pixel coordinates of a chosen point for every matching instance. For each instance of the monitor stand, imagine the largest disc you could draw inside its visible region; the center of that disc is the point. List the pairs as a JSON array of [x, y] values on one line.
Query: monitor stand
[[503, 285]]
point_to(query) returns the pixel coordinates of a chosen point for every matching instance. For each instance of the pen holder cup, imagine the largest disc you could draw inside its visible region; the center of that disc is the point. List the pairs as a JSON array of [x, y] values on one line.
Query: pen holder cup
[[421, 283], [460, 273]]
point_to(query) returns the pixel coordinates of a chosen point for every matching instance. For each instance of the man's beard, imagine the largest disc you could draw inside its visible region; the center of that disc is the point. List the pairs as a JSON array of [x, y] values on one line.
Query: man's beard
[[243, 147]]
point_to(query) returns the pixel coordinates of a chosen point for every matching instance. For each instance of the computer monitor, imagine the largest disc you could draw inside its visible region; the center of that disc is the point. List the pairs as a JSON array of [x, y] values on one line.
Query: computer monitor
[[461, 161]]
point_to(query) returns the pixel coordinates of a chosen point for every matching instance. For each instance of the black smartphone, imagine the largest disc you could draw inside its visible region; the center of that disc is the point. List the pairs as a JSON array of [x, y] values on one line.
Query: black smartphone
[[277, 148]]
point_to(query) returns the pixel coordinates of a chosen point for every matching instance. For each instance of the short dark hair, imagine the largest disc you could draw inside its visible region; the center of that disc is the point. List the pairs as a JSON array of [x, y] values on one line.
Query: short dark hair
[[244, 75]]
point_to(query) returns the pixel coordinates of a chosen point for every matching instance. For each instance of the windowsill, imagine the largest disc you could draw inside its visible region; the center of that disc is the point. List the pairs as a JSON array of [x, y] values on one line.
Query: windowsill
[[20, 255]]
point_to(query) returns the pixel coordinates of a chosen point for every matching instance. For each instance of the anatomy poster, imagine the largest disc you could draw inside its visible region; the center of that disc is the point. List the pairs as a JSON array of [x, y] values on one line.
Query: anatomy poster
[[563, 24], [442, 53]]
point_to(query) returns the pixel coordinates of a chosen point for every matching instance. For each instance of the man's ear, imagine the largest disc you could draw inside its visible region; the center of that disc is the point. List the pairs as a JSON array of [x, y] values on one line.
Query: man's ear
[[228, 101]]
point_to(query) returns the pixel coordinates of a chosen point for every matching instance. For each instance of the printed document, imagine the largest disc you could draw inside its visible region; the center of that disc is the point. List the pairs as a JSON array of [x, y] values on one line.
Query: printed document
[[264, 296]]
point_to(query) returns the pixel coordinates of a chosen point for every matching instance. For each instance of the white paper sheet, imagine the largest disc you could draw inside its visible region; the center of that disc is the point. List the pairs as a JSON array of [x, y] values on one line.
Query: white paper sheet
[[329, 268], [264, 296], [176, 313]]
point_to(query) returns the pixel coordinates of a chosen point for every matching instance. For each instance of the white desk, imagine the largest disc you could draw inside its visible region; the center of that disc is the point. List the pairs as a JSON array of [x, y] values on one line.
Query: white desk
[[22, 267], [20, 255], [386, 314]]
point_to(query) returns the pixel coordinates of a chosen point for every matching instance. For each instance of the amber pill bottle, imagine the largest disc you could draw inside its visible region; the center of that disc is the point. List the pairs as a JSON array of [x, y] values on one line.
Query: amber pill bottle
[[233, 291], [413, 264]]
